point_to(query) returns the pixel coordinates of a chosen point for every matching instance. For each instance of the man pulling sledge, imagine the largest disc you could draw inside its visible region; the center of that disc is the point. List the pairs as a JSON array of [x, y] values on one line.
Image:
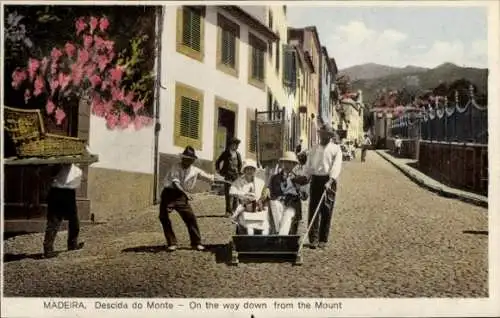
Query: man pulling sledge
[[179, 181], [322, 170]]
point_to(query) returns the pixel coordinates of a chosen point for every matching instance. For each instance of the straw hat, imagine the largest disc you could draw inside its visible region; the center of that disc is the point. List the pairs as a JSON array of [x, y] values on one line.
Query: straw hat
[[249, 163], [189, 152], [289, 156], [326, 128]]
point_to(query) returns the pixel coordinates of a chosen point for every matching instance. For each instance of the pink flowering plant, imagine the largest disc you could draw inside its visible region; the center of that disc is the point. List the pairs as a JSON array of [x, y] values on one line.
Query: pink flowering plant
[[85, 70]]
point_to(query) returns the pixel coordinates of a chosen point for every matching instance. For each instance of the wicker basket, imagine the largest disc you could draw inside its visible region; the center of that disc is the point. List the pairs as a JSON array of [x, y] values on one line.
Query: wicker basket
[[27, 130]]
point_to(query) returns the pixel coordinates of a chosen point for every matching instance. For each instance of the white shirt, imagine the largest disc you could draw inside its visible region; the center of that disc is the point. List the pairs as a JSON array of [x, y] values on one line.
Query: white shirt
[[69, 177], [186, 177], [242, 187], [300, 170], [398, 142], [367, 141], [324, 161]]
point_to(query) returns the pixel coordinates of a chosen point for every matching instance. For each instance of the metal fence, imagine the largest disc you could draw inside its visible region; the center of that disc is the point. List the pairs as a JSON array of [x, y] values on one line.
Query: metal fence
[[445, 122]]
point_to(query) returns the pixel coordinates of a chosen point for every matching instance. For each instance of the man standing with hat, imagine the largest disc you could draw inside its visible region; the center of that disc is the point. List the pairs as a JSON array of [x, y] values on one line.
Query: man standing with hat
[[322, 170], [178, 182], [230, 170]]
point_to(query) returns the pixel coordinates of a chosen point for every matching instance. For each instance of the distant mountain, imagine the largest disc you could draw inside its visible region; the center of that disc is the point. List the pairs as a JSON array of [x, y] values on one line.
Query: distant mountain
[[373, 70], [421, 79]]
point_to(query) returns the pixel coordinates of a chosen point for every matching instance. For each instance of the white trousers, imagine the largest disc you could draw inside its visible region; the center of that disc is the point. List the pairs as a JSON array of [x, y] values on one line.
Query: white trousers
[[283, 217]]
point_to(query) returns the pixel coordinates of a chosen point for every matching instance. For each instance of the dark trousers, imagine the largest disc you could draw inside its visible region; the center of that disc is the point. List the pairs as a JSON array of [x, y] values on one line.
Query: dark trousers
[[294, 229], [174, 199], [61, 205], [363, 154], [231, 202], [320, 228]]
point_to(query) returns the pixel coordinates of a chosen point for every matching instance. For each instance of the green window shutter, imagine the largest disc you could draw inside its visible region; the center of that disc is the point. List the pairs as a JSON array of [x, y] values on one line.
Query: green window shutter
[[190, 118], [228, 54], [191, 28], [253, 136]]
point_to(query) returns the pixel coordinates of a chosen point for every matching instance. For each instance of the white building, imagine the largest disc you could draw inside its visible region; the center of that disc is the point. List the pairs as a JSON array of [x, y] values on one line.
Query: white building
[[214, 72], [277, 96], [213, 78]]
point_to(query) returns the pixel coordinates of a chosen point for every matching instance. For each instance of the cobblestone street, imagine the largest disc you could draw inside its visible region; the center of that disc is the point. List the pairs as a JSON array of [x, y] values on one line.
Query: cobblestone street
[[389, 238]]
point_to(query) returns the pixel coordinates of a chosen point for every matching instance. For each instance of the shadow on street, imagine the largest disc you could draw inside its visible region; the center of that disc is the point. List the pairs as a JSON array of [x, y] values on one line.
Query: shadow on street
[[18, 257], [476, 232]]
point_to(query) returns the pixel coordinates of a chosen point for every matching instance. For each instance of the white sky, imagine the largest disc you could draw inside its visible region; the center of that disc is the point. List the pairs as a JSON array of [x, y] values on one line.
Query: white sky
[[399, 36]]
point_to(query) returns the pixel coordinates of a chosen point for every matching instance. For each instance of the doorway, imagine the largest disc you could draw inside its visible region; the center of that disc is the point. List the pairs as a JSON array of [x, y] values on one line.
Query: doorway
[[225, 125]]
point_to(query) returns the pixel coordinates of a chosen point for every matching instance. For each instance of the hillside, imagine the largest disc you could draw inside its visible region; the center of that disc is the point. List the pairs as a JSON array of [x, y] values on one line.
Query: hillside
[[422, 80], [373, 70]]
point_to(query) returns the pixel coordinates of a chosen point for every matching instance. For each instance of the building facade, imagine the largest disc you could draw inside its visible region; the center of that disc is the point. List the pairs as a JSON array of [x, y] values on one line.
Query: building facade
[[352, 113], [214, 76], [326, 107], [334, 95], [277, 98], [307, 40]]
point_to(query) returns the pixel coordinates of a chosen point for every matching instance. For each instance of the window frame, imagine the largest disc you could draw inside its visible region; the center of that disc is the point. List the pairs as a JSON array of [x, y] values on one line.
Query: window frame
[[180, 46], [184, 90], [223, 24], [254, 42]]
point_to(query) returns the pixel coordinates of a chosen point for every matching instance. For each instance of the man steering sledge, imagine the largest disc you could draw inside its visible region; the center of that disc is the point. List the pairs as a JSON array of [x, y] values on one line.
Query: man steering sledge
[[322, 170]]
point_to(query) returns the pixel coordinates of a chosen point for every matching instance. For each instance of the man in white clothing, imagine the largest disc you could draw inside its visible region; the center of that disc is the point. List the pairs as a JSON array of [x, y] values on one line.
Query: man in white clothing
[[322, 170], [61, 204], [397, 144], [179, 181]]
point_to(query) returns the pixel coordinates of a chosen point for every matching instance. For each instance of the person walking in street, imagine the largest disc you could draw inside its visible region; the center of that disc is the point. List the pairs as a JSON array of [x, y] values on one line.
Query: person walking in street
[[364, 147], [322, 171], [397, 145], [61, 204], [178, 183], [230, 170]]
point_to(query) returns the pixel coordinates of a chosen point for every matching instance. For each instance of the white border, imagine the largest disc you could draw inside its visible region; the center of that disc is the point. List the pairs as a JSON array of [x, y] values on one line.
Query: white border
[[418, 307]]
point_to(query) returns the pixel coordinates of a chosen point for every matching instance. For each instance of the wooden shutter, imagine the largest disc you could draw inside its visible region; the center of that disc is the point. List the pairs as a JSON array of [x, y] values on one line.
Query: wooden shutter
[[258, 49], [229, 34], [228, 48], [191, 28], [190, 118], [251, 136], [289, 66]]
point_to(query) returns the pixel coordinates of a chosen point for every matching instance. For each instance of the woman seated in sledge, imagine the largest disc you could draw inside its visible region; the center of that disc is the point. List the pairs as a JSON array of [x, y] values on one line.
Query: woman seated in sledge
[[286, 196], [252, 194]]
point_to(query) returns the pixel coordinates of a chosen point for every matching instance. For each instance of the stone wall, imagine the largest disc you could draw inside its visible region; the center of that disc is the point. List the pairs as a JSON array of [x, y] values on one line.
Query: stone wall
[[462, 166]]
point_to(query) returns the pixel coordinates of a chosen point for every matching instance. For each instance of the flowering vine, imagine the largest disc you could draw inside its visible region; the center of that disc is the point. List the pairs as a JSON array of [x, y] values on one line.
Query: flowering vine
[[85, 70]]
